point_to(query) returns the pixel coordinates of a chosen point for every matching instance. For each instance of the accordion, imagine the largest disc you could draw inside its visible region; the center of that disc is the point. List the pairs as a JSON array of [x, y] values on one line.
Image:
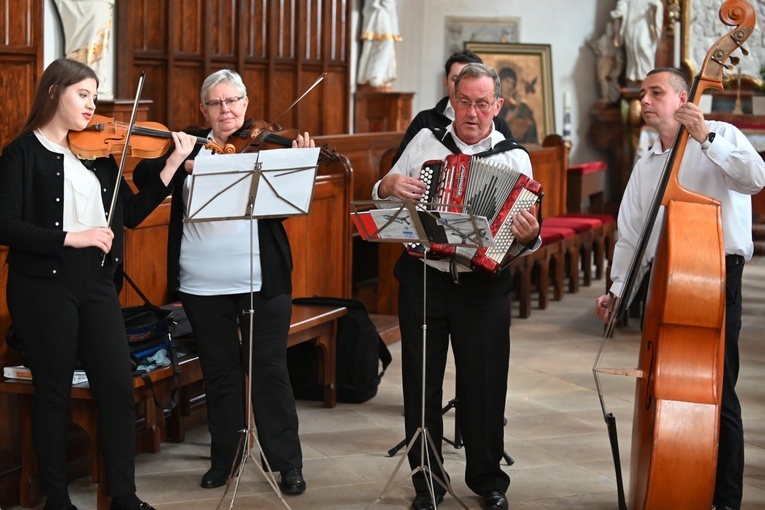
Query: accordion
[[492, 190]]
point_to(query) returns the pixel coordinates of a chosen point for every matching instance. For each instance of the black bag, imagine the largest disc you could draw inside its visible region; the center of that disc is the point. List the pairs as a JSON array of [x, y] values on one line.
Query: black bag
[[360, 350], [150, 328]]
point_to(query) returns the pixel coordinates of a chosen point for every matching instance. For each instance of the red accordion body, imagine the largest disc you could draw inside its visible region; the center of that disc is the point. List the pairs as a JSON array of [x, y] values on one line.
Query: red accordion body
[[492, 190]]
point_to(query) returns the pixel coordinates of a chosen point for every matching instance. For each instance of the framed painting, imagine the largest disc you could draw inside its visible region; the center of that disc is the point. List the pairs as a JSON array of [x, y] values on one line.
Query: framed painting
[[497, 30], [526, 74]]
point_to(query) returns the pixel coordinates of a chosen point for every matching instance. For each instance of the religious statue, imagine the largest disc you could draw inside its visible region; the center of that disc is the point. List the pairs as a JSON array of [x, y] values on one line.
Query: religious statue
[[610, 62], [377, 67], [640, 31], [87, 28]]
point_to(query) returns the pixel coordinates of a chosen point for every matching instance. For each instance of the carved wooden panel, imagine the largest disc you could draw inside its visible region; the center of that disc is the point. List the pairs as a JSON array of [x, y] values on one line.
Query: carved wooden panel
[[280, 47], [21, 52]]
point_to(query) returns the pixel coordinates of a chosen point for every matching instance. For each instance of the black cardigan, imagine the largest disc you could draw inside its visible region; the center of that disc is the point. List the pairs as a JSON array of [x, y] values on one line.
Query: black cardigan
[[32, 208], [275, 254]]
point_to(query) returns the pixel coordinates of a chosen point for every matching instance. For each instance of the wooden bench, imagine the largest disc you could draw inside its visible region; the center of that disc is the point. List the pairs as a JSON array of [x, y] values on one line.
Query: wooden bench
[[317, 324], [85, 415]]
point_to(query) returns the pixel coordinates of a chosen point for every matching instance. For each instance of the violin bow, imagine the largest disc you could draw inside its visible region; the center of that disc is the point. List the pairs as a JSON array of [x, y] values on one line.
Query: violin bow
[[124, 155], [296, 101]]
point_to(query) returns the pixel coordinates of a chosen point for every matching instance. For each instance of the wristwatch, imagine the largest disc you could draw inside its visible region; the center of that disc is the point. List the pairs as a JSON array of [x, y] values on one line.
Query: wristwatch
[[708, 141]]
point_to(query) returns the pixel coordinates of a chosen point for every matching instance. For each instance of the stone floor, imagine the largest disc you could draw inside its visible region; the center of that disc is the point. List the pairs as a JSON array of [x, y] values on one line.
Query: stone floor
[[555, 430]]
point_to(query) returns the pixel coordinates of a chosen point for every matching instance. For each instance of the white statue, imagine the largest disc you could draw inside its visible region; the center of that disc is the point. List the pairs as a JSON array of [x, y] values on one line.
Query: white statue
[[640, 31], [87, 29], [609, 64], [377, 67]]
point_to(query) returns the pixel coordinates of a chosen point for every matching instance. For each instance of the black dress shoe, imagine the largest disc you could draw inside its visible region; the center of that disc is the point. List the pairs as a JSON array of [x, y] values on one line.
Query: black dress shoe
[[423, 501], [292, 481], [214, 478], [494, 500]]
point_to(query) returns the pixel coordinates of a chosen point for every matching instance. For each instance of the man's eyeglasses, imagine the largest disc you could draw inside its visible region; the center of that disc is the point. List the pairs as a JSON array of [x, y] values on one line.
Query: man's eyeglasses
[[218, 104], [481, 106]]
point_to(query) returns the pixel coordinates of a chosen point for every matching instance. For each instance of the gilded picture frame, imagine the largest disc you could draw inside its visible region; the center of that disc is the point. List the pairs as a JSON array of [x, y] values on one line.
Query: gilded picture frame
[[526, 74]]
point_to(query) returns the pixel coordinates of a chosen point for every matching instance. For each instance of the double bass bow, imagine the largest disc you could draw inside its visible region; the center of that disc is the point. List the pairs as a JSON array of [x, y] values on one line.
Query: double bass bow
[[680, 366]]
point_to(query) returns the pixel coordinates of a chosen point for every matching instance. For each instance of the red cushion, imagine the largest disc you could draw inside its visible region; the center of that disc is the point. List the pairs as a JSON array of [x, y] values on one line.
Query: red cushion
[[577, 224], [550, 231], [549, 236], [604, 218], [586, 168]]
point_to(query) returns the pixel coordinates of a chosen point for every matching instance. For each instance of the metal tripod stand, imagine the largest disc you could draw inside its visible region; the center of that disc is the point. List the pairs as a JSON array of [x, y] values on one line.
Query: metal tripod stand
[[457, 441]]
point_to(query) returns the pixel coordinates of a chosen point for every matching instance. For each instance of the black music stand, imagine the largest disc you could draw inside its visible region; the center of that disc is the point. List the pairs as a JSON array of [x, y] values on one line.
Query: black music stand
[[266, 184], [416, 222], [457, 441]]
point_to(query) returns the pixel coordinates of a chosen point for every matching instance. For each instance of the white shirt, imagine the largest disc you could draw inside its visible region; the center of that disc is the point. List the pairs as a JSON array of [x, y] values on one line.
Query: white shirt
[[215, 255], [83, 206], [425, 146], [730, 170]]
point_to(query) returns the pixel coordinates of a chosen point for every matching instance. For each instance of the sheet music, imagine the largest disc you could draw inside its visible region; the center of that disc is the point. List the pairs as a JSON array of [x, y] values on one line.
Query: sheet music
[[223, 185], [397, 224]]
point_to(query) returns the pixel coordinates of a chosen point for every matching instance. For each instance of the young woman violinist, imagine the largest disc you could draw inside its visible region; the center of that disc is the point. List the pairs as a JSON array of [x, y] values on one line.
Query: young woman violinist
[[61, 293]]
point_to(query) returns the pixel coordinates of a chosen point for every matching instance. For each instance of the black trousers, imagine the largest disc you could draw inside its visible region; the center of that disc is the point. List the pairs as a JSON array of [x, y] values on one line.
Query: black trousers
[[730, 460], [76, 314], [224, 360], [476, 316]]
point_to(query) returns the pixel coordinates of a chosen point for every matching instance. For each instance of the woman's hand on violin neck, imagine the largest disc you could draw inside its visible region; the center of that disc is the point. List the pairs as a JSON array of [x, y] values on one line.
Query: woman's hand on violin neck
[[183, 145], [99, 237], [303, 141]]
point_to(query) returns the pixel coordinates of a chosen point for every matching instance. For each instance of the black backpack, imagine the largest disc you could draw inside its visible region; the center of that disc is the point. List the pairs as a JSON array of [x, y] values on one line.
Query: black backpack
[[359, 353]]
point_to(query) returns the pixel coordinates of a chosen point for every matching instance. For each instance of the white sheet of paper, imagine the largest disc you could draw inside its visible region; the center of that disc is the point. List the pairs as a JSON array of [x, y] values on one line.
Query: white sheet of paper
[[222, 184], [461, 222], [399, 228], [397, 224]]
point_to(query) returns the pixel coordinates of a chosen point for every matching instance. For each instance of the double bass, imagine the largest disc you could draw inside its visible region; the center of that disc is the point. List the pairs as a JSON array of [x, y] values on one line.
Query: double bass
[[680, 366]]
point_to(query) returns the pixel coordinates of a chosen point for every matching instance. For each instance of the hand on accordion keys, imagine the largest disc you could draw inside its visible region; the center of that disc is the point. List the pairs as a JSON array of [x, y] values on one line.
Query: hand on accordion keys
[[401, 186], [525, 225]]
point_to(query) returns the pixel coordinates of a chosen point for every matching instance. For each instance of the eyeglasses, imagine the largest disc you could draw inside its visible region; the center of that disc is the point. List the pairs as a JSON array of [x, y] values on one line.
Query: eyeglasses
[[218, 104], [481, 106]]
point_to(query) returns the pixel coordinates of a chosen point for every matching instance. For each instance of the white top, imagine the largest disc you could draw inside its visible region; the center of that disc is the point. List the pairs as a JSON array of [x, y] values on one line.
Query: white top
[[215, 255], [425, 146], [730, 171], [83, 206]]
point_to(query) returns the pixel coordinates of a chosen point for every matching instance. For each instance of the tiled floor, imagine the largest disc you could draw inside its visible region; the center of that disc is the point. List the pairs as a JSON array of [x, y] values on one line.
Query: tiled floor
[[555, 430]]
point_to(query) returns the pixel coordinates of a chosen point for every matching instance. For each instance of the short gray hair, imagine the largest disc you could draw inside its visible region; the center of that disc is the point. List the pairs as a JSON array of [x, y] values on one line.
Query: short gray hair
[[476, 71], [223, 76]]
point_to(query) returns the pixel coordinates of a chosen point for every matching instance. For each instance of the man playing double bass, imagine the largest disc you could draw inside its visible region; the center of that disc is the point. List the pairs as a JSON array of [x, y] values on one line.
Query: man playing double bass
[[718, 162]]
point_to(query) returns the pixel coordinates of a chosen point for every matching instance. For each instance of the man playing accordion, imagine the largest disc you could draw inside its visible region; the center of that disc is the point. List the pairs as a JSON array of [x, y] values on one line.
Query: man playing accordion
[[473, 309]]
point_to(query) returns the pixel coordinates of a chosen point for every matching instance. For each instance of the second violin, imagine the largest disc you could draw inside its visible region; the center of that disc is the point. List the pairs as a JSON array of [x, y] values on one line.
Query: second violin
[[259, 134]]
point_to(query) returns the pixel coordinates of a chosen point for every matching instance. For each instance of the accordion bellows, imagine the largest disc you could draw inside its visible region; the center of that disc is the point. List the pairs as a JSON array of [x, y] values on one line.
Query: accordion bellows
[[492, 190]]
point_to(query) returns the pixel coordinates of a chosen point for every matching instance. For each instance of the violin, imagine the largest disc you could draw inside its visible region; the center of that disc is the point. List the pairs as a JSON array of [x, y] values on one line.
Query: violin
[[104, 136], [259, 134]]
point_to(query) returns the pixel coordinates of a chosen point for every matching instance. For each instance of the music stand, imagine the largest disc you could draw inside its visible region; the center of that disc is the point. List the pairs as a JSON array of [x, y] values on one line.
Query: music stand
[[416, 222], [265, 184]]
